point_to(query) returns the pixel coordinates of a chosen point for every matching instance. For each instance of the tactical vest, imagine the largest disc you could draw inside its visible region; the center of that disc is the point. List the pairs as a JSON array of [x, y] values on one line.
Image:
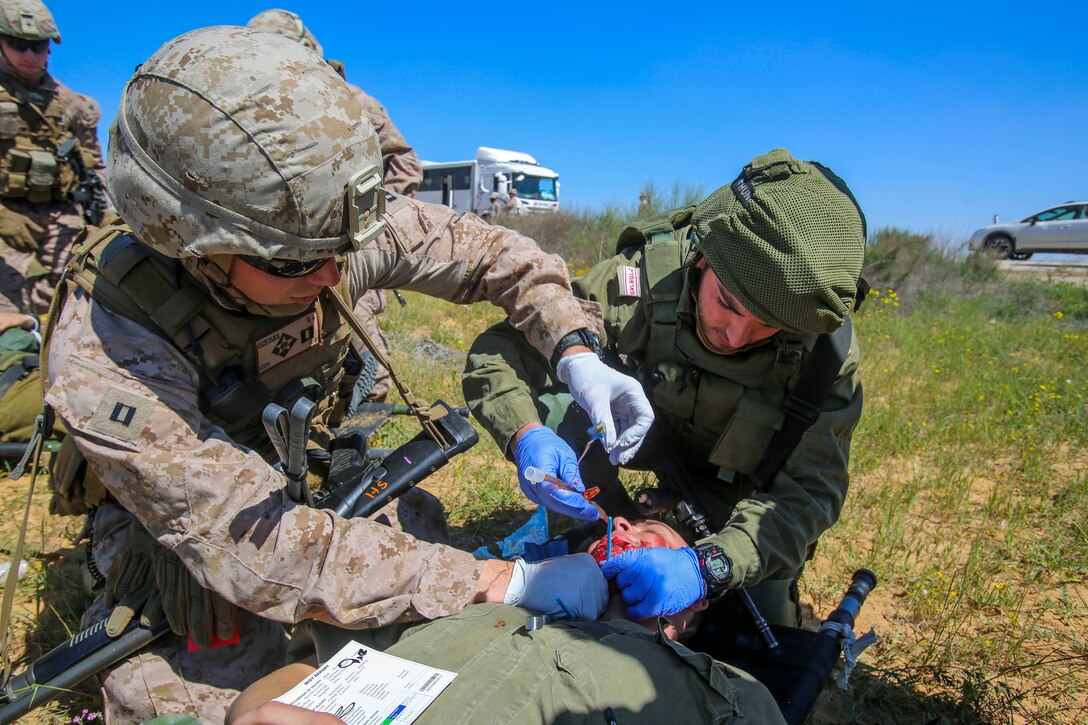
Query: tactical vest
[[244, 361], [725, 408], [33, 125]]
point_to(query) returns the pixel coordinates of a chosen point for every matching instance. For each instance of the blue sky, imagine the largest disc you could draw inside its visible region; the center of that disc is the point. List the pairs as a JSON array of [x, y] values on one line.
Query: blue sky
[[938, 115]]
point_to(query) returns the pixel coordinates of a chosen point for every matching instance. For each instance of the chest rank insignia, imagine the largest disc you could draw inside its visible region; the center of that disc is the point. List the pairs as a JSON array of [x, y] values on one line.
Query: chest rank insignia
[[629, 280], [297, 336]]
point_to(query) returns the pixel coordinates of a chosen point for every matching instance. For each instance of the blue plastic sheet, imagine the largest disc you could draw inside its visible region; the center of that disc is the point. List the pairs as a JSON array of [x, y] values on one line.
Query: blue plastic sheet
[[530, 541]]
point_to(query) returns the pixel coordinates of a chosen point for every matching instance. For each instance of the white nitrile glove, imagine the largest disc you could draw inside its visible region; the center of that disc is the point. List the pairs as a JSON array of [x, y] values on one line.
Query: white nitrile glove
[[612, 399], [575, 579]]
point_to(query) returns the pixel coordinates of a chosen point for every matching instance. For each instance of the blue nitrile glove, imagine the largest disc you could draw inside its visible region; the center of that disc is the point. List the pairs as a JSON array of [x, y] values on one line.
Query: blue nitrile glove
[[541, 448], [656, 581]]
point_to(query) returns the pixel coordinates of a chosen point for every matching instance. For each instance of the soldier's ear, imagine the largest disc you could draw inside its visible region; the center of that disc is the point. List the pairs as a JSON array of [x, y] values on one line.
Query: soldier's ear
[[700, 605]]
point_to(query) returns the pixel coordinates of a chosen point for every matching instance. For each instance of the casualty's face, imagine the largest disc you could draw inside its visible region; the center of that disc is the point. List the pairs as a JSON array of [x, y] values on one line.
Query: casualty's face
[[643, 534], [627, 535]]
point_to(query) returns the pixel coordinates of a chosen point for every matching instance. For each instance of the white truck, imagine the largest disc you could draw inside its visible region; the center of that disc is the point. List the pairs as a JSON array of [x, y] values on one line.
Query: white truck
[[469, 185]]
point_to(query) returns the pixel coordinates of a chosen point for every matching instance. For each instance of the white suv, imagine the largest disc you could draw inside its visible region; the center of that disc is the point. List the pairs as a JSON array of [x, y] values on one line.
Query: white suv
[[1061, 229]]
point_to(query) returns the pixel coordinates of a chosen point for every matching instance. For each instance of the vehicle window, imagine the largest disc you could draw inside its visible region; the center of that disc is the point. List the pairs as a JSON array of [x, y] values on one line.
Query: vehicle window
[[1057, 214], [1083, 212], [535, 187], [460, 178]]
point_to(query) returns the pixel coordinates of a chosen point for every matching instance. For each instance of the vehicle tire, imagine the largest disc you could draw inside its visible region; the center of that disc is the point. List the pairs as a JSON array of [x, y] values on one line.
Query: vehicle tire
[[1000, 247]]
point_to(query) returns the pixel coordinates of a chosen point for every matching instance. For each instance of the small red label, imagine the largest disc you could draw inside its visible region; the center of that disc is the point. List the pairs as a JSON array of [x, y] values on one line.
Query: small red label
[[216, 641]]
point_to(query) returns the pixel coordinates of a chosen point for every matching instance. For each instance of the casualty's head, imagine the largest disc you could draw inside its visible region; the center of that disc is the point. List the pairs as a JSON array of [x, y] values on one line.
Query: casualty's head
[[26, 29], [287, 24], [643, 534], [247, 157], [785, 240]]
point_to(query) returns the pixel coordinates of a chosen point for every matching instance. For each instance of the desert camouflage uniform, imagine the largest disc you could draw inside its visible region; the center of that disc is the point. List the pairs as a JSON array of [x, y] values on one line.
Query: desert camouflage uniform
[[27, 279], [402, 172], [172, 473], [133, 398]]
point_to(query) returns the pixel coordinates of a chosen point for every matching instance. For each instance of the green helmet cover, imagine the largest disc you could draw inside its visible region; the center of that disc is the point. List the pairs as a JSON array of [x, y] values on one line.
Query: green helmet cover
[[787, 238]]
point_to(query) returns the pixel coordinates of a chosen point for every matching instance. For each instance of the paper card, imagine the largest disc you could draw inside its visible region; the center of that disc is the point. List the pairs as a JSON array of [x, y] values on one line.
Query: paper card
[[362, 685]]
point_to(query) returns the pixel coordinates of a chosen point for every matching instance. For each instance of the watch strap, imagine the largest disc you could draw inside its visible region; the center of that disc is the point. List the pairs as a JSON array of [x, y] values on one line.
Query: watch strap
[[582, 336], [716, 568]]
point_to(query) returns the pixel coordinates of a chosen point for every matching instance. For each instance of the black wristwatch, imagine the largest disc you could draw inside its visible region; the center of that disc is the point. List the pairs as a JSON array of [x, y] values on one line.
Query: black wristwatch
[[716, 568], [584, 336]]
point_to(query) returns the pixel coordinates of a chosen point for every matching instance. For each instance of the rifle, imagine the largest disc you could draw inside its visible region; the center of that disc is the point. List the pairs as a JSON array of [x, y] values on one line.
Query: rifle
[[355, 487], [91, 194], [796, 671]]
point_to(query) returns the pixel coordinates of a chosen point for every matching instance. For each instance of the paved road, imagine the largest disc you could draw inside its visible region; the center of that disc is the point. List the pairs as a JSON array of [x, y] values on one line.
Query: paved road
[[1058, 270]]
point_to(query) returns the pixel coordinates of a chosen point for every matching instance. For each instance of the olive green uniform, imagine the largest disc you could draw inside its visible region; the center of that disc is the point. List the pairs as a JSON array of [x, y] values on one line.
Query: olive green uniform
[[570, 671], [722, 410]]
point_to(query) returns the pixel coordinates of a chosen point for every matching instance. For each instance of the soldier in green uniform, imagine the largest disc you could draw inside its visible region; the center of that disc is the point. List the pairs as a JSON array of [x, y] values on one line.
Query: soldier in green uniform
[[568, 671], [733, 315]]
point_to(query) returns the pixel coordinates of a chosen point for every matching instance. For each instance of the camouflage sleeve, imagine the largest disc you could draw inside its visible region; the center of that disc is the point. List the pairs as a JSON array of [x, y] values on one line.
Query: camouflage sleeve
[[85, 115], [402, 172], [130, 400], [504, 374], [770, 533], [434, 250]]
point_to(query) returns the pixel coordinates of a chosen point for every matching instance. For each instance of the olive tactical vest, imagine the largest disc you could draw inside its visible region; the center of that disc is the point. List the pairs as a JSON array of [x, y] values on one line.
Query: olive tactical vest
[[243, 361], [33, 125], [726, 409]]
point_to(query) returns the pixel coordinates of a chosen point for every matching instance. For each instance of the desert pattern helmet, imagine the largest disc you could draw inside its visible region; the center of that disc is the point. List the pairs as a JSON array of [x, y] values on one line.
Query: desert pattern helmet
[[234, 141], [287, 24], [27, 19]]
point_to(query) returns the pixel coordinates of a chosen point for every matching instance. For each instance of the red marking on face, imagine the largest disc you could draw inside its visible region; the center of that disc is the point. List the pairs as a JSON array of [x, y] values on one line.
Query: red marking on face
[[621, 543]]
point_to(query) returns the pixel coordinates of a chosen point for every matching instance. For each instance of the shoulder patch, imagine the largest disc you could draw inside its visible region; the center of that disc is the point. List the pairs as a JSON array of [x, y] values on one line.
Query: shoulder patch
[[121, 415], [296, 336], [630, 281]]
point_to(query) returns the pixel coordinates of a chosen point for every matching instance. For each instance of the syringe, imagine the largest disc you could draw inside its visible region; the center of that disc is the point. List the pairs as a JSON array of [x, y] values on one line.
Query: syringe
[[537, 475]]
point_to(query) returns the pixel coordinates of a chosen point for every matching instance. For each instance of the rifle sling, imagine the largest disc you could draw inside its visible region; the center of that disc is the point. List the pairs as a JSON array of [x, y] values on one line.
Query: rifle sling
[[426, 415]]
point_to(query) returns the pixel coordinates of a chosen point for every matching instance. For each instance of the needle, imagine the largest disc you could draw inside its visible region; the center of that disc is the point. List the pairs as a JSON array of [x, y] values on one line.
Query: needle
[[596, 433]]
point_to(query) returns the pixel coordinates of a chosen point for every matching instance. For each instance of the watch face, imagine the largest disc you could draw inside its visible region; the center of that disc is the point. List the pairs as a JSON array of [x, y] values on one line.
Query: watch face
[[718, 567]]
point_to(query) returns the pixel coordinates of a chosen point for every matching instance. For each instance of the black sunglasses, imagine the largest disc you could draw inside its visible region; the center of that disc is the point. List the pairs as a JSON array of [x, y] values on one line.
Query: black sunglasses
[[21, 45], [287, 268]]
